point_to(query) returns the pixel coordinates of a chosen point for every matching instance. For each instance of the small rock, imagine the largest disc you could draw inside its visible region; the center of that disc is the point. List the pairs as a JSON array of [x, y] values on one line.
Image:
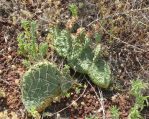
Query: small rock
[[80, 112], [74, 103], [96, 104], [13, 67], [71, 93], [75, 96], [67, 104], [114, 98], [1, 71], [9, 49], [82, 103], [9, 57], [88, 96], [90, 100], [20, 71], [92, 90], [17, 81], [88, 104]]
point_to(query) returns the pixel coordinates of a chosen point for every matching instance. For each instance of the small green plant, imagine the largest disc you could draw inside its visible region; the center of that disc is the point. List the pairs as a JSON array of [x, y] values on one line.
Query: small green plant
[[114, 112], [73, 9], [27, 43], [137, 86], [137, 89], [42, 84], [135, 113]]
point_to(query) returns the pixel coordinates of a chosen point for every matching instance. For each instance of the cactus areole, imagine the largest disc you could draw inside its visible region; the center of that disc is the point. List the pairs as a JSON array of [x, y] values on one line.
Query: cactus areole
[[41, 84]]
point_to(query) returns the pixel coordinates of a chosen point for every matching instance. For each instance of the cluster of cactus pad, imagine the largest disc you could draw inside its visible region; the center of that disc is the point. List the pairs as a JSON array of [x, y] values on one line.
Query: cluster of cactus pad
[[42, 84], [81, 56]]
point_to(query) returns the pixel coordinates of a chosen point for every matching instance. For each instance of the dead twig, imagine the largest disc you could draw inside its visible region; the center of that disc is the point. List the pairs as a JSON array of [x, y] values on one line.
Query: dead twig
[[101, 100]]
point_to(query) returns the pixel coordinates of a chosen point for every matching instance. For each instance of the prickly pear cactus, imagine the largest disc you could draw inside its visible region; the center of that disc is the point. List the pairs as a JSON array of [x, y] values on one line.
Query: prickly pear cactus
[[41, 84], [99, 72], [62, 42], [81, 57]]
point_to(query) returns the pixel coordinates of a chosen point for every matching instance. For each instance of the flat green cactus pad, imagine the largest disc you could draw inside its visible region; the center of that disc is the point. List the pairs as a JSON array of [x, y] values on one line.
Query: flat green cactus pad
[[62, 42], [100, 72], [41, 84], [82, 61], [81, 57]]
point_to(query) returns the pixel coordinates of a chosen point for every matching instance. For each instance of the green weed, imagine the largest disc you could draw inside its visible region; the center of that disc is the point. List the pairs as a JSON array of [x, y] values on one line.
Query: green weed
[[114, 112], [73, 9], [134, 113], [27, 43], [137, 88]]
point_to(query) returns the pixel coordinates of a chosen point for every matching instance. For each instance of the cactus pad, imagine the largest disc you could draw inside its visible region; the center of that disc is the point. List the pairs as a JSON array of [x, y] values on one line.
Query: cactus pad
[[41, 84], [81, 57], [62, 42], [100, 72]]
